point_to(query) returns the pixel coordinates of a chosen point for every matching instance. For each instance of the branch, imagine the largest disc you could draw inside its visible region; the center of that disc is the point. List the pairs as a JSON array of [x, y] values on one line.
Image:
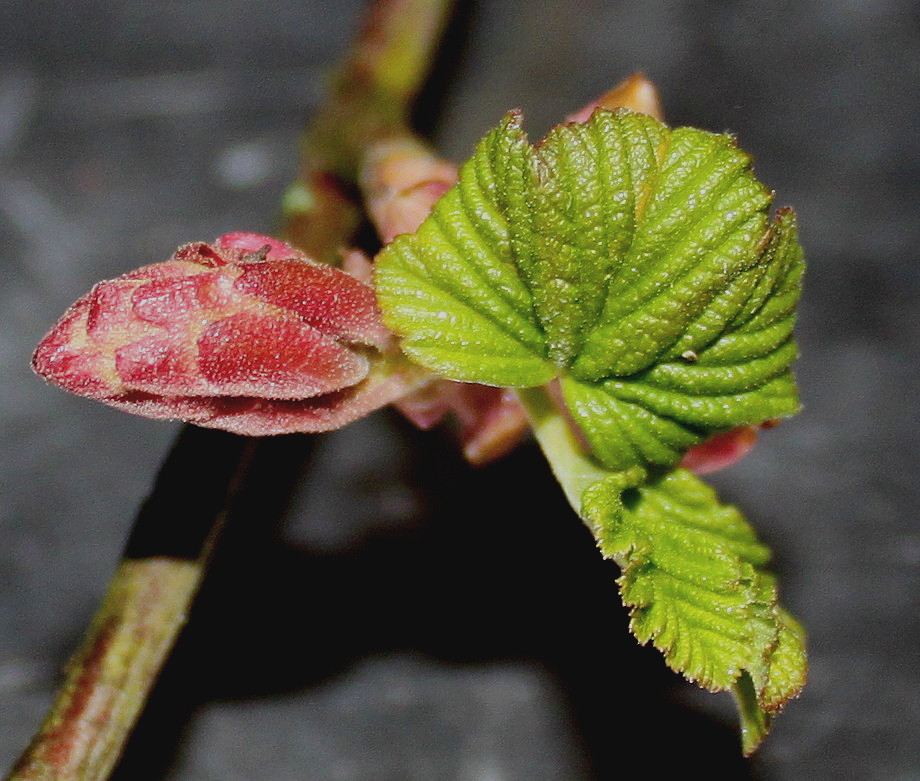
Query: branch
[[143, 611]]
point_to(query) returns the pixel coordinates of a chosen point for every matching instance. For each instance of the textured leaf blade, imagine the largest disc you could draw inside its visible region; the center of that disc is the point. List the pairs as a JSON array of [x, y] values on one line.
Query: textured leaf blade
[[692, 577], [622, 432], [692, 572], [787, 667], [593, 179], [633, 261], [451, 291], [760, 699], [731, 368], [697, 229]]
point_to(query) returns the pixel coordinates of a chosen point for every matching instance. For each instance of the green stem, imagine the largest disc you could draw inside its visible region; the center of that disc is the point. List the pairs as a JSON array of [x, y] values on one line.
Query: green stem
[[574, 468], [110, 677]]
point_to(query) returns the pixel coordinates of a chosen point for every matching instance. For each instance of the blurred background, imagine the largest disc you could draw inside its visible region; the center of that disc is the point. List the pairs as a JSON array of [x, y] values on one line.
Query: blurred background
[[396, 614]]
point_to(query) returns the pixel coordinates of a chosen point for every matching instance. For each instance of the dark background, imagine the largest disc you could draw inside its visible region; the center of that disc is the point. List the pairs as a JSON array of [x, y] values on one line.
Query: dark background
[[401, 616]]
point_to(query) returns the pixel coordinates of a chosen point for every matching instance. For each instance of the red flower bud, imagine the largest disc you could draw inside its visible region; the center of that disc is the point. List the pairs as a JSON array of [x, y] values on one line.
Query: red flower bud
[[247, 335]]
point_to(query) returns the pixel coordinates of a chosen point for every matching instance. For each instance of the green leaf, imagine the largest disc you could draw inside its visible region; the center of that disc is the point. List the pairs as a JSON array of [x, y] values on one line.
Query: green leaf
[[693, 578], [731, 368], [692, 572], [787, 669], [451, 289], [635, 262], [589, 186]]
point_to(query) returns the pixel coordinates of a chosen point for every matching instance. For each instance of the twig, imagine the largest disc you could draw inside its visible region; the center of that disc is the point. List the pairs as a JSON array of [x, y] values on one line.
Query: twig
[[371, 101], [143, 610], [145, 607]]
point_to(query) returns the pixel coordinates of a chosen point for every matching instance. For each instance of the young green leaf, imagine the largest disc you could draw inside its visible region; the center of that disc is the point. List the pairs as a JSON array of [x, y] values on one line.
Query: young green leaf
[[692, 573], [453, 290], [693, 577], [705, 383], [635, 262]]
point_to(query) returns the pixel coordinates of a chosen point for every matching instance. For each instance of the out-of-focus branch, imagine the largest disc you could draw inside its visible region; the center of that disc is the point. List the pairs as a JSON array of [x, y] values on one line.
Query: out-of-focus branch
[[370, 101], [144, 609]]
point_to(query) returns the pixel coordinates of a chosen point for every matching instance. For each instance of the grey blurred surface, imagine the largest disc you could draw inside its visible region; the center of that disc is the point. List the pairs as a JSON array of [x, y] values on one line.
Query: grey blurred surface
[[394, 623]]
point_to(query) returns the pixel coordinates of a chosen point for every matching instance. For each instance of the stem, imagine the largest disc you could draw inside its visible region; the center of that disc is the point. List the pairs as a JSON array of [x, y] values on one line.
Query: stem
[[373, 92], [147, 601], [145, 607], [107, 681], [573, 467]]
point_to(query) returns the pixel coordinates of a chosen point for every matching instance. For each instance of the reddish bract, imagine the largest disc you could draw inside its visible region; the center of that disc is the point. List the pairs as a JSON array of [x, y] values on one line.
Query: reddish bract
[[720, 450], [246, 334], [492, 421]]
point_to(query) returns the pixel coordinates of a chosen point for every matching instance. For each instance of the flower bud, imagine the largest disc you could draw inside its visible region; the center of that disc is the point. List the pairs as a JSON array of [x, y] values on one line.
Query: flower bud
[[246, 334]]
